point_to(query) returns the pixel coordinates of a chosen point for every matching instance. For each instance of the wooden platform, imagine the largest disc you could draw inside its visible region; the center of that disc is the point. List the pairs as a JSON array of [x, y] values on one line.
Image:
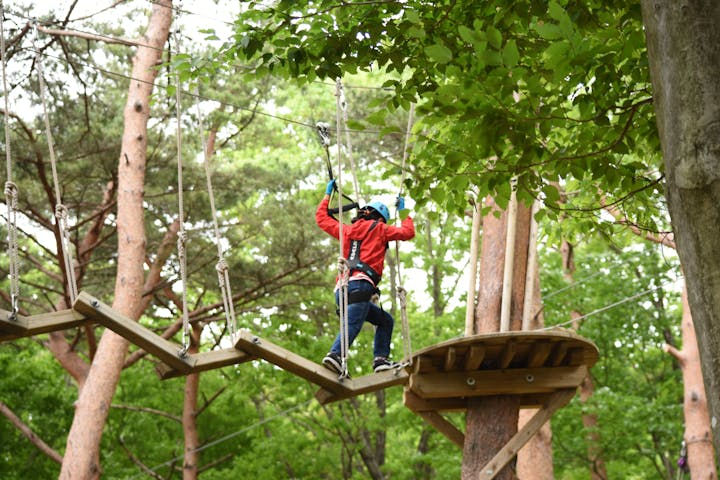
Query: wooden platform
[[22, 326], [529, 364], [542, 368]]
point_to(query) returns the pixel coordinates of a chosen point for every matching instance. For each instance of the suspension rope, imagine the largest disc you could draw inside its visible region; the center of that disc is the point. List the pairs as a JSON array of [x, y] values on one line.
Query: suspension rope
[[401, 292], [11, 190], [182, 235], [348, 141], [343, 269], [61, 212], [222, 265]]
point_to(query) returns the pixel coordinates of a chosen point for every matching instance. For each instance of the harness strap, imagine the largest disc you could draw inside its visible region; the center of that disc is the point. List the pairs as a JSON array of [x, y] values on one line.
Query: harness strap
[[355, 264]]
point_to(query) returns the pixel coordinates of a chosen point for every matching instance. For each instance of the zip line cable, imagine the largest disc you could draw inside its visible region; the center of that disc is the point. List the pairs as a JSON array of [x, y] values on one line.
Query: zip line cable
[[233, 434]]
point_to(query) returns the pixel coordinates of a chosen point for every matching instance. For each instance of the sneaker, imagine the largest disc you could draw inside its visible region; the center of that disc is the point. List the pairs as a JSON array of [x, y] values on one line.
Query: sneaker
[[332, 361], [381, 364]]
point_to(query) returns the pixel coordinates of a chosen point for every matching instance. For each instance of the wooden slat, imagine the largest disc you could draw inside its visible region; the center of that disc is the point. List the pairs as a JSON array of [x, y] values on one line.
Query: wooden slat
[[291, 362], [205, 361], [417, 404], [143, 337], [496, 382], [539, 352], [450, 356], [508, 353], [363, 385], [39, 324], [474, 357], [423, 364], [18, 325], [436, 420], [494, 466], [558, 354]]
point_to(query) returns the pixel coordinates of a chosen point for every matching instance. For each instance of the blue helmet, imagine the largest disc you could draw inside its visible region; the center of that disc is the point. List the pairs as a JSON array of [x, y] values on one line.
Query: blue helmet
[[380, 208]]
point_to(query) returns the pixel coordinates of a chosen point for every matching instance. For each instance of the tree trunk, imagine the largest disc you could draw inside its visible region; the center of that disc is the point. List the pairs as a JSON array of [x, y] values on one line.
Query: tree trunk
[[535, 459], [81, 461], [698, 436], [492, 421], [191, 461], [683, 43], [587, 387]]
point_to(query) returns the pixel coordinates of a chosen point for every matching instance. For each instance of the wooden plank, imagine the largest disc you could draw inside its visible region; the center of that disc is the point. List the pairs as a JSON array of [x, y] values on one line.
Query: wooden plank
[[292, 362], [437, 421], [558, 354], [539, 353], [450, 356], [498, 462], [363, 385], [498, 339], [54, 321], [417, 404], [496, 382], [12, 325], [205, 361], [39, 324], [474, 357], [508, 353], [423, 364], [143, 337]]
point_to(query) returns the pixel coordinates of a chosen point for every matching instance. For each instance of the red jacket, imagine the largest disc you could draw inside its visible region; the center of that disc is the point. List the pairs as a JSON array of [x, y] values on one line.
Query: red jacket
[[374, 239]]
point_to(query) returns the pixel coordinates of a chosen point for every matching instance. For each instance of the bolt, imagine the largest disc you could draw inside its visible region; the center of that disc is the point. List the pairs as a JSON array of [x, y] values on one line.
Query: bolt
[[95, 304], [470, 381], [529, 378]]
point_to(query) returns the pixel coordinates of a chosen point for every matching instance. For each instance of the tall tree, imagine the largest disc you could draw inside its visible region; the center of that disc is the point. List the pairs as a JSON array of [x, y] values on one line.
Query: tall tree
[[684, 53], [81, 459]]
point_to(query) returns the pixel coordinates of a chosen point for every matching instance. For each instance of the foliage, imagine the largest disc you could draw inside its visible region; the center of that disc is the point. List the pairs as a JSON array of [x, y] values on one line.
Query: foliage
[[638, 387]]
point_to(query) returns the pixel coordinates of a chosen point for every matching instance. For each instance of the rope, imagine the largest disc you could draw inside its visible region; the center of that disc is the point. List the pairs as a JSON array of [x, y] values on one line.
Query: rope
[[222, 266], [61, 212], [348, 142], [11, 190], [182, 235], [343, 270], [401, 292]]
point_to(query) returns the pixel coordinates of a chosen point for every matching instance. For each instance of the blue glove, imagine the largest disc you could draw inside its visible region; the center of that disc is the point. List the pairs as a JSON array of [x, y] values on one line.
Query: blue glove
[[400, 203], [330, 187]]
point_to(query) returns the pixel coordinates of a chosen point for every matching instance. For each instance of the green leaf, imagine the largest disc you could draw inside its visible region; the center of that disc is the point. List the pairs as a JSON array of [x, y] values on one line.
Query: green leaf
[[510, 54], [494, 37], [439, 52], [548, 31]]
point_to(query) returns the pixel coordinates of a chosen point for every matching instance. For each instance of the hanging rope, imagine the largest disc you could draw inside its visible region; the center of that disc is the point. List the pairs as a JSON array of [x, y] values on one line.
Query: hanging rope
[[11, 190], [222, 266], [401, 292], [182, 235], [61, 212], [348, 142], [343, 270]]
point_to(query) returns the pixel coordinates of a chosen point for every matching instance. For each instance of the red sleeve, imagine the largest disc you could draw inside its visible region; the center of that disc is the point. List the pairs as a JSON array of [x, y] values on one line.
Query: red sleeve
[[405, 231], [325, 221]]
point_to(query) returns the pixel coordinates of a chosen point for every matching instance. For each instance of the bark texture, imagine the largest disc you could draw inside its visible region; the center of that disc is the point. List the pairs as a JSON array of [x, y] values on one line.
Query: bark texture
[[492, 421], [535, 458], [698, 437], [683, 40], [83, 443]]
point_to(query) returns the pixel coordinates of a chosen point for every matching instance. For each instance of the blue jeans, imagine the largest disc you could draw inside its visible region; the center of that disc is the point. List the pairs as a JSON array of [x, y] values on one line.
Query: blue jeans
[[362, 311]]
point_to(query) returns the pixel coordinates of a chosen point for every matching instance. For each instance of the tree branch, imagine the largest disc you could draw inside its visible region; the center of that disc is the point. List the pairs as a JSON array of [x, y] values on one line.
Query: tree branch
[[30, 435]]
